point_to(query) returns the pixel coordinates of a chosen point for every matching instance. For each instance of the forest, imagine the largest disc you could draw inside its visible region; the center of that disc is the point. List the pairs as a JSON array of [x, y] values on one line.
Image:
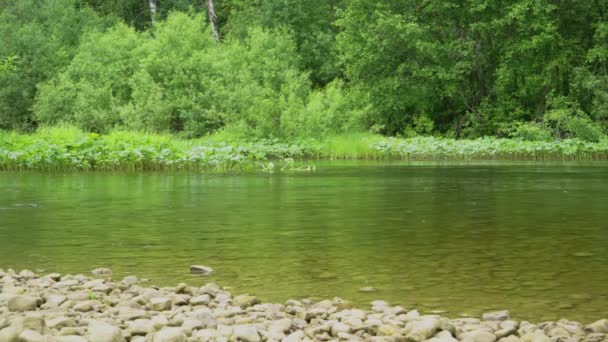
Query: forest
[[526, 69]]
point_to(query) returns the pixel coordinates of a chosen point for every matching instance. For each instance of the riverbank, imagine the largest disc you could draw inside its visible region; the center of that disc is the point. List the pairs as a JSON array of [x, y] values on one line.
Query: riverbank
[[75, 308], [65, 149]]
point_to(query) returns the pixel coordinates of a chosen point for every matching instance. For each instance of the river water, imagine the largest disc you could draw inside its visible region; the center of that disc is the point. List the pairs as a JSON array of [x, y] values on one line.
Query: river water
[[459, 238]]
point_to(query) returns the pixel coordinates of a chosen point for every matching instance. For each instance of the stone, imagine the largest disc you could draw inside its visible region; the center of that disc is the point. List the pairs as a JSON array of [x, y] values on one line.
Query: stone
[[130, 280], [388, 330], [71, 338], [246, 333], [502, 315], [102, 272], [160, 304], [504, 332], [169, 335], [103, 332], [245, 301], [85, 306], [31, 336], [53, 301], [367, 289], [423, 329], [9, 334], [60, 322], [478, 336], [191, 324], [281, 325], [23, 303], [140, 327], [201, 270], [339, 327], [200, 300], [600, 326], [536, 336]]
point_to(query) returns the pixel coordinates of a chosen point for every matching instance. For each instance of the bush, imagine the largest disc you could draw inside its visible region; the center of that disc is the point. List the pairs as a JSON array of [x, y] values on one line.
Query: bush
[[179, 80]]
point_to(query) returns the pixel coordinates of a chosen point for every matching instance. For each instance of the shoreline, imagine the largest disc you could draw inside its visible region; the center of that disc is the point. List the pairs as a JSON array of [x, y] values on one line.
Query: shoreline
[[79, 308]]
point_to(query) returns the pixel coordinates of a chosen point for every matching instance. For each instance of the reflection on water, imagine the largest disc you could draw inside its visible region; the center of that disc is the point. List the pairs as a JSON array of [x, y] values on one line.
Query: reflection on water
[[464, 238]]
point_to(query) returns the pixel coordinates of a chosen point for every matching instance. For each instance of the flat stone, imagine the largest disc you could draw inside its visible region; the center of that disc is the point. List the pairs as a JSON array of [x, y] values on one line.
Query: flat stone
[[245, 301], [200, 300], [246, 333], [104, 332], [71, 338], [169, 335], [23, 303], [31, 336], [9, 334]]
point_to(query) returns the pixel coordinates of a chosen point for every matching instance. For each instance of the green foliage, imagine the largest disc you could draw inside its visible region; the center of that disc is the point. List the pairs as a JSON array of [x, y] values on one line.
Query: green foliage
[[68, 148], [42, 36], [179, 80]]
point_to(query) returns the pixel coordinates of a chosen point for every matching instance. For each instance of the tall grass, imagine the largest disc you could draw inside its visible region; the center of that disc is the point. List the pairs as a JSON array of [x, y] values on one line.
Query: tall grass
[[68, 148]]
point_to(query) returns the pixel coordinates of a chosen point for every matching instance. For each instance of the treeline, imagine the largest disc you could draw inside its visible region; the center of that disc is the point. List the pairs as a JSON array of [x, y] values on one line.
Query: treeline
[[530, 69]]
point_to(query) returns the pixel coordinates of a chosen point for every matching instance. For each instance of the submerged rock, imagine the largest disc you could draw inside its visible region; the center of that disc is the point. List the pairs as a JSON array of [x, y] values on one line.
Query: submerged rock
[[201, 270]]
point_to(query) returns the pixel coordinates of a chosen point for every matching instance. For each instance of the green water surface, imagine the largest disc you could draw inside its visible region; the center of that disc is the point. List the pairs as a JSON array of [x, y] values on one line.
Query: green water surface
[[462, 238]]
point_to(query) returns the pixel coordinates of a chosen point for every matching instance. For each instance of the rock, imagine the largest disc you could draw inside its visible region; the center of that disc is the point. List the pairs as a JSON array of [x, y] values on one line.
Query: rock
[[504, 332], [31, 336], [140, 327], [85, 306], [104, 332], [478, 336], [23, 303], [600, 326], [207, 319], [443, 336], [246, 333], [9, 334], [368, 289], [31, 322], [191, 324], [53, 301], [71, 338], [281, 325], [169, 335], [102, 272], [160, 304], [296, 336], [60, 322], [130, 280], [201, 270], [388, 330], [339, 327], [422, 329], [502, 315], [200, 300], [536, 336], [26, 274], [245, 301]]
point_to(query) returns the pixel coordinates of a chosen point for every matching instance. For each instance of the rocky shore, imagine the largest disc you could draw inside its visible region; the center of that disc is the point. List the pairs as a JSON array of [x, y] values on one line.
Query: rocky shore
[[78, 308]]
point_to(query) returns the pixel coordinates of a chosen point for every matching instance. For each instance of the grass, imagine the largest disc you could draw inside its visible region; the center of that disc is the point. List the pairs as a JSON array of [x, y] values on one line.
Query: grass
[[67, 148]]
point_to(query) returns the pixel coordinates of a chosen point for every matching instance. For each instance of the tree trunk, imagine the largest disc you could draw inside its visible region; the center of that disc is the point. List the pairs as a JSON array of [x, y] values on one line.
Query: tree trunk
[[152, 4], [213, 20]]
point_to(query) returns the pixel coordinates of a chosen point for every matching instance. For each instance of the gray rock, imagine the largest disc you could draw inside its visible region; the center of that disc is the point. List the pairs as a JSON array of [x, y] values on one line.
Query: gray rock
[[85, 306], [246, 333], [201, 270], [200, 300], [600, 326], [338, 327], [502, 315], [60, 322], [169, 335], [536, 336], [478, 336], [23, 303], [31, 336], [422, 329], [9, 334], [104, 332], [160, 304], [140, 327], [245, 301], [130, 280], [296, 336], [102, 272], [71, 338], [207, 319]]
